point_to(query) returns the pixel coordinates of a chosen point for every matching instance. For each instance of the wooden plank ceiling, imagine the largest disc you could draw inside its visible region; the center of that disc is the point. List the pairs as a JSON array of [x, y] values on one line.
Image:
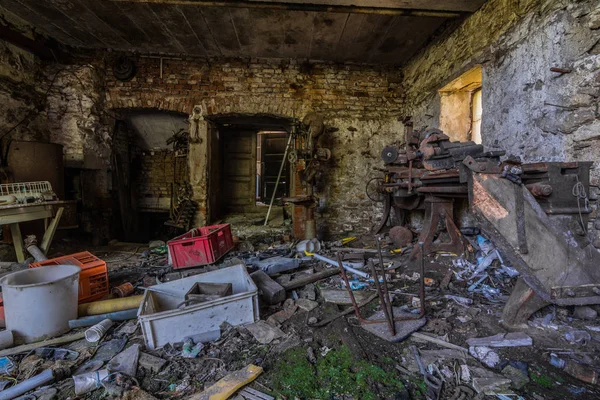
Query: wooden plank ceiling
[[364, 31]]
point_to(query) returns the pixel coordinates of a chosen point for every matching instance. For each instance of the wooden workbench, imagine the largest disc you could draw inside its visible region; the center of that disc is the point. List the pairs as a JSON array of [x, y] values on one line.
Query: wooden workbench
[[13, 214]]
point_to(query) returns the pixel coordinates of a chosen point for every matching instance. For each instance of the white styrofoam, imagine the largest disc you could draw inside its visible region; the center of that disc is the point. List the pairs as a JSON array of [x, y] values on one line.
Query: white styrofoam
[[162, 322]]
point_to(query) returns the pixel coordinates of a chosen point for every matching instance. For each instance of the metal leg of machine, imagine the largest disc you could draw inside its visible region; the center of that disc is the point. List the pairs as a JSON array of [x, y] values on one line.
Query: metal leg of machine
[[438, 210]]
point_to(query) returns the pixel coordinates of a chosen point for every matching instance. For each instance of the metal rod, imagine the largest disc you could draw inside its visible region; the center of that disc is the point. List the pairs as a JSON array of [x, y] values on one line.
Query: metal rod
[[422, 288], [386, 294], [346, 266], [287, 147], [383, 301], [281, 5]]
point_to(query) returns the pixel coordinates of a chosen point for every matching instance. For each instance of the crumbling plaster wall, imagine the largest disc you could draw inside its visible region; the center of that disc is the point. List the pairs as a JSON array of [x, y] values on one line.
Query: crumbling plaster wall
[[363, 103], [20, 97], [528, 110]]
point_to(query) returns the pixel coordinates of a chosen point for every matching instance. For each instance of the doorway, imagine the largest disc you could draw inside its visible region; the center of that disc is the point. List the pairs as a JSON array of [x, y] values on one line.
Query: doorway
[[246, 154]]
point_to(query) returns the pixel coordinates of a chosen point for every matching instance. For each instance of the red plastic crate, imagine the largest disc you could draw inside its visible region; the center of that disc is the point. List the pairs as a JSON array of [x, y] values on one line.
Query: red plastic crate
[[93, 278], [200, 246]]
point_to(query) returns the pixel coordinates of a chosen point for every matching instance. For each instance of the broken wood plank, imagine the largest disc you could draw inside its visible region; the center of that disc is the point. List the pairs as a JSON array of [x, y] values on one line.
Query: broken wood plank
[[511, 339], [305, 280], [229, 384], [270, 291], [440, 342], [44, 343], [342, 297], [253, 394]]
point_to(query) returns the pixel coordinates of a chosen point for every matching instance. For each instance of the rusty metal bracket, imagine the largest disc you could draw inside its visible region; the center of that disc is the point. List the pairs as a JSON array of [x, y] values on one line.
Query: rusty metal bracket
[[483, 167]]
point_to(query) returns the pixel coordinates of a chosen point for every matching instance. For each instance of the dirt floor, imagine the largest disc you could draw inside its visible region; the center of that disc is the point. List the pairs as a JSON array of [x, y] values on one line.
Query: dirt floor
[[340, 359]]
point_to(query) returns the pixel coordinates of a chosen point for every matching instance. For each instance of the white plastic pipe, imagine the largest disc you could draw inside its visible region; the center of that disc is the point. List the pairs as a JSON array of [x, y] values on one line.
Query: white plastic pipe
[[40, 379], [96, 332], [346, 266]]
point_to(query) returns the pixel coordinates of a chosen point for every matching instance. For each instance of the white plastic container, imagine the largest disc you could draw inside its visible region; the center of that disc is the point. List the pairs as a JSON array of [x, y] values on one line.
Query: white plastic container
[[39, 302], [162, 322]]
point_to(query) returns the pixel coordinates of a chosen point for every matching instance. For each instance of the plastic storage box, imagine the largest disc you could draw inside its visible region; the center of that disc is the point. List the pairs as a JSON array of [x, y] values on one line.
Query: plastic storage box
[[200, 246], [93, 279], [163, 322]]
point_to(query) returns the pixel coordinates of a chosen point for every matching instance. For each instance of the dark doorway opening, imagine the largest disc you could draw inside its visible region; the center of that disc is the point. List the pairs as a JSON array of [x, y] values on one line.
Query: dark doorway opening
[[246, 155]]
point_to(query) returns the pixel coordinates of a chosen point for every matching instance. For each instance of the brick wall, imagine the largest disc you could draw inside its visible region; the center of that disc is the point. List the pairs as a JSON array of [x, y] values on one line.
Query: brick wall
[[361, 103], [254, 86], [158, 174]]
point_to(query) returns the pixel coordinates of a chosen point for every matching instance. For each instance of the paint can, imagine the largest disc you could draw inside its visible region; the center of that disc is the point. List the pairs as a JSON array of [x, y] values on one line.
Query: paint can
[[124, 290]]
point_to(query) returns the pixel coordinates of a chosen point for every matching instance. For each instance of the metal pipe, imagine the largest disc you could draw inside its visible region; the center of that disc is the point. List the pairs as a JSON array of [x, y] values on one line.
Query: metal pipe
[[280, 5], [287, 147], [346, 266], [36, 253], [43, 378]]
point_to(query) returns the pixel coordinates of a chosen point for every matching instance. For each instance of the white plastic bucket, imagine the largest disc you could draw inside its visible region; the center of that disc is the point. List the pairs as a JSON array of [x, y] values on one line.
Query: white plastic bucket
[[39, 302]]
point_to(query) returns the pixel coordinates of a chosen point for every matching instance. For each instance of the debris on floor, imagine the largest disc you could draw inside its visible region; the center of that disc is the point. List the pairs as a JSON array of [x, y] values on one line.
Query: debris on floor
[[427, 327]]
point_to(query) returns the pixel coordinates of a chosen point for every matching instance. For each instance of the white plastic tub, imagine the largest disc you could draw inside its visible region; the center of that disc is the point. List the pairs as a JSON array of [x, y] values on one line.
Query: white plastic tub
[[162, 322], [39, 302]]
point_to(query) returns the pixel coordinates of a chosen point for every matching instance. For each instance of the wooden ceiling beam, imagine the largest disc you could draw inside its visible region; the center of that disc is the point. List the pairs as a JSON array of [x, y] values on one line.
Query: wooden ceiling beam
[[45, 49], [280, 5]]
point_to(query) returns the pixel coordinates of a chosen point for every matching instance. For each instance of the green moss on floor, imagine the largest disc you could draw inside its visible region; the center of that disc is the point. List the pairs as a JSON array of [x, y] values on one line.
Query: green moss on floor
[[335, 374], [541, 379]]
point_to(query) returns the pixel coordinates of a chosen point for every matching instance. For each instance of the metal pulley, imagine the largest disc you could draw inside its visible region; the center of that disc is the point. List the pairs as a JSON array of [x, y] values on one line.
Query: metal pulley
[[389, 154]]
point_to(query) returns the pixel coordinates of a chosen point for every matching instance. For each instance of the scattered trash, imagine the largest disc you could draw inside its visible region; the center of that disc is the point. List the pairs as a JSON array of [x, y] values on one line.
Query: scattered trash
[[308, 246], [253, 394], [263, 332], [511, 339], [306, 304], [125, 362], [151, 363], [89, 381], [578, 337], [96, 332], [462, 301], [191, 350], [275, 265], [355, 284], [486, 355], [584, 312], [123, 290], [584, 373], [342, 297], [517, 377], [231, 383]]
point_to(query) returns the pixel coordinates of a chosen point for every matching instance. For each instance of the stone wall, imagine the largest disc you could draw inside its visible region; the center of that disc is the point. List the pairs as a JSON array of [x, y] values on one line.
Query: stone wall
[[527, 109], [362, 103], [20, 97]]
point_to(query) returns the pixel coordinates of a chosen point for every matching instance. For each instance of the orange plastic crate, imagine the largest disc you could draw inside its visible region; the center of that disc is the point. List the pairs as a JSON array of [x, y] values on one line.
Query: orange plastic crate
[[93, 279]]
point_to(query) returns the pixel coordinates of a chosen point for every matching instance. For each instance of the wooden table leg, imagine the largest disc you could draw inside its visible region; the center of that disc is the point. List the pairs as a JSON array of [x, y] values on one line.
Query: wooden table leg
[[49, 234], [15, 232]]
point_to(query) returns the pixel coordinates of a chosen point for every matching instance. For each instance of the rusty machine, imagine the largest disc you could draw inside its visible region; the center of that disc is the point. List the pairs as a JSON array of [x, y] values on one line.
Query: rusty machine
[[537, 214]]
